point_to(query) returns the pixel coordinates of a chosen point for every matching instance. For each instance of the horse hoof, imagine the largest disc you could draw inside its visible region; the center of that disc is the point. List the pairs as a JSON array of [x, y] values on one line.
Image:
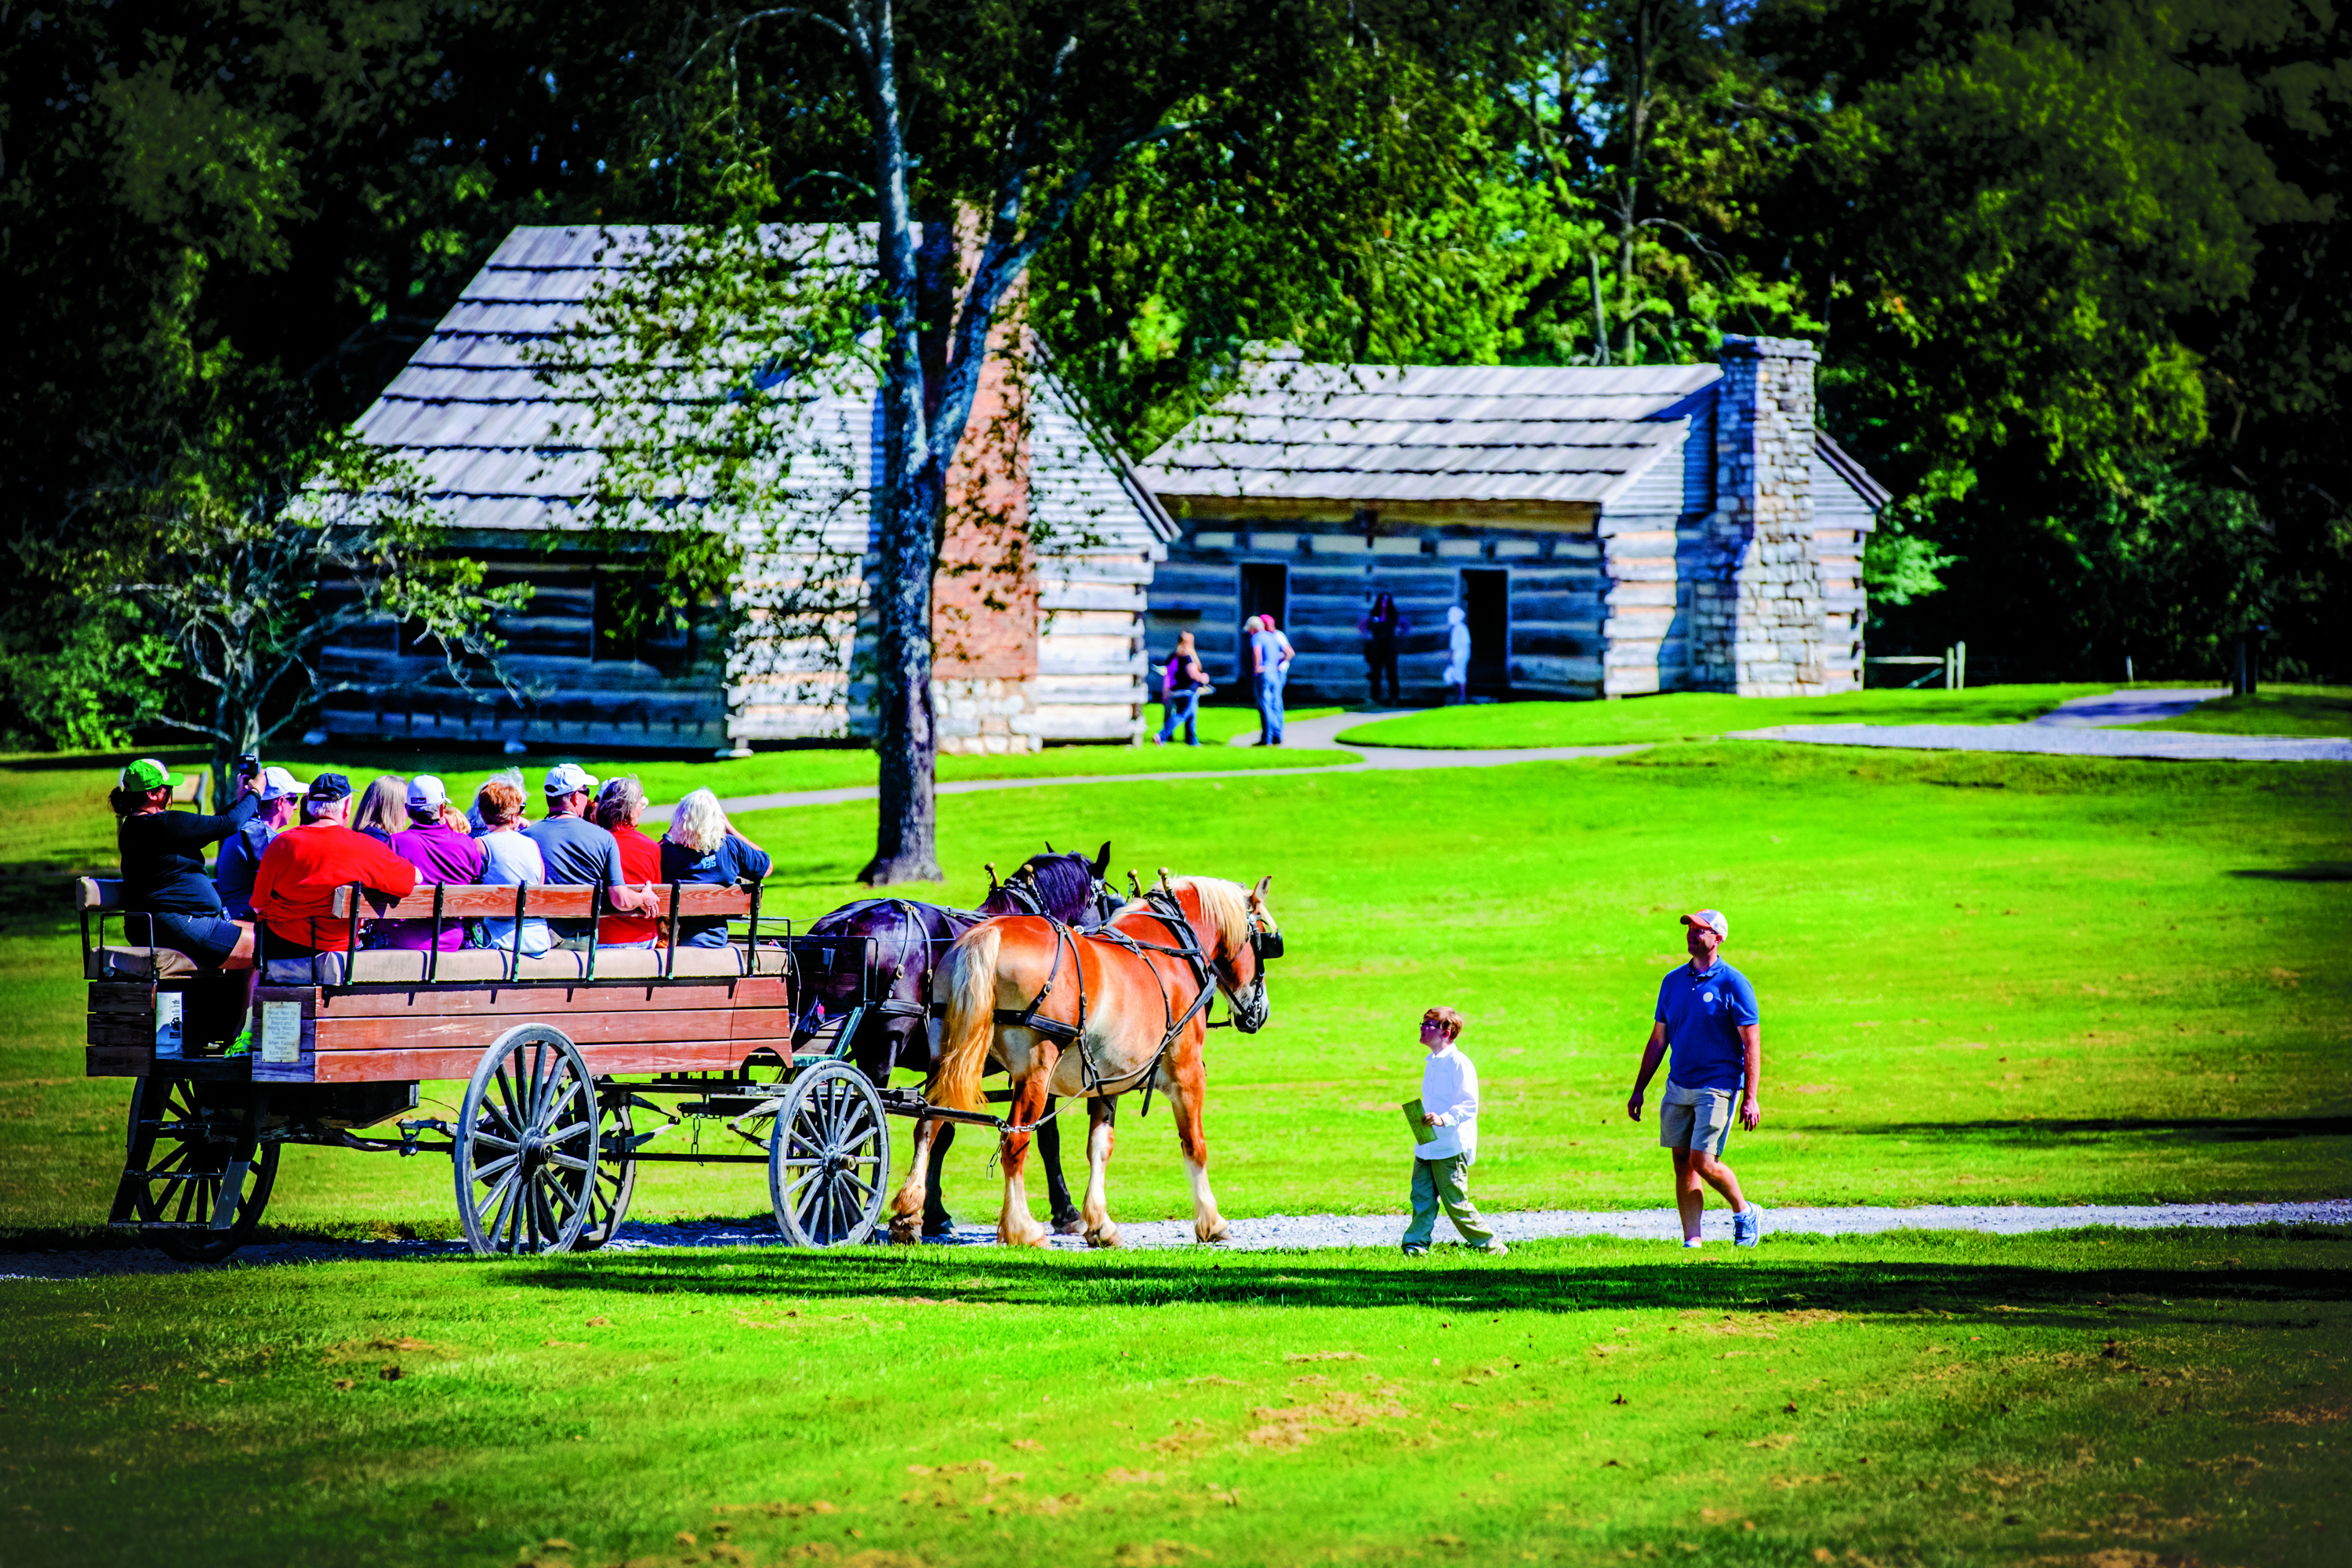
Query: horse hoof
[[1070, 1226], [1214, 1233], [904, 1233], [935, 1232], [1108, 1237]]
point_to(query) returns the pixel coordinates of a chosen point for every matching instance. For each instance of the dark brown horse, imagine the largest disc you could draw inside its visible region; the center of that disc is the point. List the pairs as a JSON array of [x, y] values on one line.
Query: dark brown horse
[[888, 950]]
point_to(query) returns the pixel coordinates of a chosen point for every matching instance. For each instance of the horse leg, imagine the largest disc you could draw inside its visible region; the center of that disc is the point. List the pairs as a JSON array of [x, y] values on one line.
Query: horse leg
[[1100, 1135], [1015, 1226], [906, 1205], [1058, 1187], [937, 1221], [1187, 1084]]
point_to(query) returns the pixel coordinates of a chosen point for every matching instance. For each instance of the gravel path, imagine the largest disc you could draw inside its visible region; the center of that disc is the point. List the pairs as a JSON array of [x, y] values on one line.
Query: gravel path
[[2082, 728], [1307, 735], [1276, 1233]]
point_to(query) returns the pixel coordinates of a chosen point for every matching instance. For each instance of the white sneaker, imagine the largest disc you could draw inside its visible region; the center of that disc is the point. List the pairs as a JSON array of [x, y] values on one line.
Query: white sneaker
[[1689, 1242]]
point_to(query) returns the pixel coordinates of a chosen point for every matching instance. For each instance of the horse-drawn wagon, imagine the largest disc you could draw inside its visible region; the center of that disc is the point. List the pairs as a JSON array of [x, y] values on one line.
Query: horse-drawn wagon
[[575, 1063]]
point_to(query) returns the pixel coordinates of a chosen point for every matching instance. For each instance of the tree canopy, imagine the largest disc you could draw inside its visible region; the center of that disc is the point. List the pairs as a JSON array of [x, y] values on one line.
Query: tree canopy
[[2075, 265]]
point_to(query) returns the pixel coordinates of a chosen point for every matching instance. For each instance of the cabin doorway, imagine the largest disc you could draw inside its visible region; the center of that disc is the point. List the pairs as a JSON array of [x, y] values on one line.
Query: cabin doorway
[[1486, 607], [1265, 590]]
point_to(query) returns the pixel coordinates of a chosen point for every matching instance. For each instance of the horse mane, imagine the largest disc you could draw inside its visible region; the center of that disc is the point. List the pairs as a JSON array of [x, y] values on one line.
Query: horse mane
[[1063, 882], [1224, 904]]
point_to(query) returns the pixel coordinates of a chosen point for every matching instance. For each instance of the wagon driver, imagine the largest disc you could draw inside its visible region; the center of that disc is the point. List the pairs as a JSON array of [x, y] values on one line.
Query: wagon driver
[[1706, 1015]]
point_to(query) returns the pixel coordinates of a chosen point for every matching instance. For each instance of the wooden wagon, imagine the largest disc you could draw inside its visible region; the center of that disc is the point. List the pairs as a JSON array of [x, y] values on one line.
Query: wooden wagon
[[574, 1064]]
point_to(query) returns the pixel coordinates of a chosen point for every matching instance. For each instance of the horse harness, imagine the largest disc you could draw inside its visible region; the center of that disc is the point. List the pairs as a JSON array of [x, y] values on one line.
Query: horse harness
[[1165, 908]]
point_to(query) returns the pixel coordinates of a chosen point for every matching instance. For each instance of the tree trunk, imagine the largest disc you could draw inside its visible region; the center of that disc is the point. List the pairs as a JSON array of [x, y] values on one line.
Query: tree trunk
[[911, 497]]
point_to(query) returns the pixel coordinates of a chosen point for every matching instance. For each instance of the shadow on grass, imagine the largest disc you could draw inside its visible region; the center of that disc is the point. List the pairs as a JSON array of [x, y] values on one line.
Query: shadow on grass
[[2310, 871], [2188, 1129], [2015, 1293]]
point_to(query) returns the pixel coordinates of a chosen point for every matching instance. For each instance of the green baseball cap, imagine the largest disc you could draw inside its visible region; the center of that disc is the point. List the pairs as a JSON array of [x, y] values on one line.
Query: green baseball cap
[[146, 773]]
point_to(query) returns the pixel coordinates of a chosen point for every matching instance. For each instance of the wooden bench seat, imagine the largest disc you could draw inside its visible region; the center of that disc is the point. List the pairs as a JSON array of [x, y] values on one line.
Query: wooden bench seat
[[102, 960], [389, 966]]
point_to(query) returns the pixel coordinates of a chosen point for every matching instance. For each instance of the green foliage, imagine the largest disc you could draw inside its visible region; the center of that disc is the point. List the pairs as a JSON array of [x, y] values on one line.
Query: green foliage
[[252, 572]]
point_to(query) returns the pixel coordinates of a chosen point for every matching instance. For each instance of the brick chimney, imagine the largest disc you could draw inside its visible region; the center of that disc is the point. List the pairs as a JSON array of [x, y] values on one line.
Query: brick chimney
[[1758, 620]]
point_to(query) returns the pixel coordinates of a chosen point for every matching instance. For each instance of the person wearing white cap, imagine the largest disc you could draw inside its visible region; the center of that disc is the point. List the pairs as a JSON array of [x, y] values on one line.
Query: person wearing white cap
[[579, 853], [1706, 1015], [240, 852], [442, 854]]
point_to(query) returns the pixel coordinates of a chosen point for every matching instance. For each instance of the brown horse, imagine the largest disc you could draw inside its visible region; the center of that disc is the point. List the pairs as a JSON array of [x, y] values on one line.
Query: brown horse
[[1096, 1014]]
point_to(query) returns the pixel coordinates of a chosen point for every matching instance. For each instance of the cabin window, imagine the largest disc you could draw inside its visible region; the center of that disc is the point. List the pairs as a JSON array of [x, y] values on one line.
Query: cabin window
[[633, 621]]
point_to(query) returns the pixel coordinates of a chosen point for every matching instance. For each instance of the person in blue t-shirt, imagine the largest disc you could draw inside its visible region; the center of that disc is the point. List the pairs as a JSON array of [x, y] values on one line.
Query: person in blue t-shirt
[[1706, 1015]]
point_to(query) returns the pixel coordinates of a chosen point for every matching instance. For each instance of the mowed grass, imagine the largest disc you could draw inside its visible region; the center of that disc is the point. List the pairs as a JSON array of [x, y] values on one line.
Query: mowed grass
[[1700, 715], [2105, 1399], [1984, 979], [2273, 711]]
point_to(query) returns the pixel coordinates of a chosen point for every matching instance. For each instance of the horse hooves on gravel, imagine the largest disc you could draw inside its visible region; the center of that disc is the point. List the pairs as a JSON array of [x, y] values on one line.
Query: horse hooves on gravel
[[1070, 1226], [906, 1232], [1216, 1232], [1108, 1237]]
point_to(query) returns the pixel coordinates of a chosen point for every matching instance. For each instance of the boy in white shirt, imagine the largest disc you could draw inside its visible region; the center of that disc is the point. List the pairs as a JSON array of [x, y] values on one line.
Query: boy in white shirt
[[1441, 1167]]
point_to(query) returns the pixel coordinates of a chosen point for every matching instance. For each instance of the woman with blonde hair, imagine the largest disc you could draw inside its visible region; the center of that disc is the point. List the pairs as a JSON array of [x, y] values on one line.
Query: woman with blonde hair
[[383, 810], [702, 846]]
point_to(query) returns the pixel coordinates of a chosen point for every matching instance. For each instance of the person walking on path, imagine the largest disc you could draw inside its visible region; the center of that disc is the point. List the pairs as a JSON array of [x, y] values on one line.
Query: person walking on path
[[1457, 653], [1441, 1167], [1706, 1017], [1182, 684], [1270, 656], [1381, 626]]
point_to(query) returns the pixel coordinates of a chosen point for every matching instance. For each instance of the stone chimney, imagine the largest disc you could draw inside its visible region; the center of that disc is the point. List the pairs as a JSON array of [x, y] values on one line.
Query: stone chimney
[[1758, 620]]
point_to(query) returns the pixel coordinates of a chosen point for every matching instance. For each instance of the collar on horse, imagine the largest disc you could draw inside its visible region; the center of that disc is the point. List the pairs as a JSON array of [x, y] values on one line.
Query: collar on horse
[[1163, 905]]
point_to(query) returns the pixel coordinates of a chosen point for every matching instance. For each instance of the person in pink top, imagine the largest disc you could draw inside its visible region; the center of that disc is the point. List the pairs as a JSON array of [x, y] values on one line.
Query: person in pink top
[[441, 854]]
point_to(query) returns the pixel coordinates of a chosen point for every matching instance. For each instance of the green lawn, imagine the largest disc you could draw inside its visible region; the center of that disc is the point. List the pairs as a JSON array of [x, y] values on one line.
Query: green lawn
[[1699, 715], [2101, 1399], [1984, 978], [2273, 711]]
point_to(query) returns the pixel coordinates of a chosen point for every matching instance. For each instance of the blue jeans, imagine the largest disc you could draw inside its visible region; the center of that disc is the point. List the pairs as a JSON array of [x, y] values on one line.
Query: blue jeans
[[1269, 707], [1183, 707]]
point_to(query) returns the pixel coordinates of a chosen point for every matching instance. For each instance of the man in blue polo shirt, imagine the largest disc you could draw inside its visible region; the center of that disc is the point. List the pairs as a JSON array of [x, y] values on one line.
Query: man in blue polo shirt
[[1706, 1015]]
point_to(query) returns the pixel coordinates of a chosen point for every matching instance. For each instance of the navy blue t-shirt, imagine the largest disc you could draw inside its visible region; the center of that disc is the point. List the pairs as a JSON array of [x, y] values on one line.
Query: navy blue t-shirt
[[1702, 1014], [732, 862]]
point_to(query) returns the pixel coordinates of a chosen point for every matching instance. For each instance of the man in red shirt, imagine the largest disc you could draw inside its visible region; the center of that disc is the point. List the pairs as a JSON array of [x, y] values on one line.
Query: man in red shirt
[[294, 889]]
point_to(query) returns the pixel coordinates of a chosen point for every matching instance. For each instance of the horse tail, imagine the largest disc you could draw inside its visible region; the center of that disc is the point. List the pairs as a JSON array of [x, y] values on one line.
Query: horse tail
[[971, 1017]]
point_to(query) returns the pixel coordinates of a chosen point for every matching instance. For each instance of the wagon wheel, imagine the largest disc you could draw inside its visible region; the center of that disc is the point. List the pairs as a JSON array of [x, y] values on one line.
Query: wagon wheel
[[184, 1143], [526, 1144], [829, 1158], [616, 1171]]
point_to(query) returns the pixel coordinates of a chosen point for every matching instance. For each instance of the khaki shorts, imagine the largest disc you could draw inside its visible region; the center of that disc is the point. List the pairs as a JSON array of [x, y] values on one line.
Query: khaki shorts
[[1698, 1120]]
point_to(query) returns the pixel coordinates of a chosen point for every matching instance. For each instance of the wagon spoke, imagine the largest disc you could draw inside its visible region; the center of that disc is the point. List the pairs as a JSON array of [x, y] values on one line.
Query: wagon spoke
[[491, 1170], [496, 1193]]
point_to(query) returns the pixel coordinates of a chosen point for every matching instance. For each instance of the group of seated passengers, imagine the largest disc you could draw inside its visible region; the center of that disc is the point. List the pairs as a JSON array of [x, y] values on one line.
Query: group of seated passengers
[[287, 847]]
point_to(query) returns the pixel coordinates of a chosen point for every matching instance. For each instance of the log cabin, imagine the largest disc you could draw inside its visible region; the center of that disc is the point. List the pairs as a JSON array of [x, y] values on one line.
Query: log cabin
[[1608, 532], [499, 437]]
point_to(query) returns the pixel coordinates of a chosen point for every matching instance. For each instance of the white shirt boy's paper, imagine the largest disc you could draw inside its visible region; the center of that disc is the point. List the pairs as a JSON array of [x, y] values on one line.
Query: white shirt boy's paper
[[1449, 1091], [281, 1032]]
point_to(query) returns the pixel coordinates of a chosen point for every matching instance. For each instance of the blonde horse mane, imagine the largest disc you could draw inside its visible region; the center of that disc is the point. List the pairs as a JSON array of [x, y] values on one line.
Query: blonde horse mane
[[1225, 903]]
